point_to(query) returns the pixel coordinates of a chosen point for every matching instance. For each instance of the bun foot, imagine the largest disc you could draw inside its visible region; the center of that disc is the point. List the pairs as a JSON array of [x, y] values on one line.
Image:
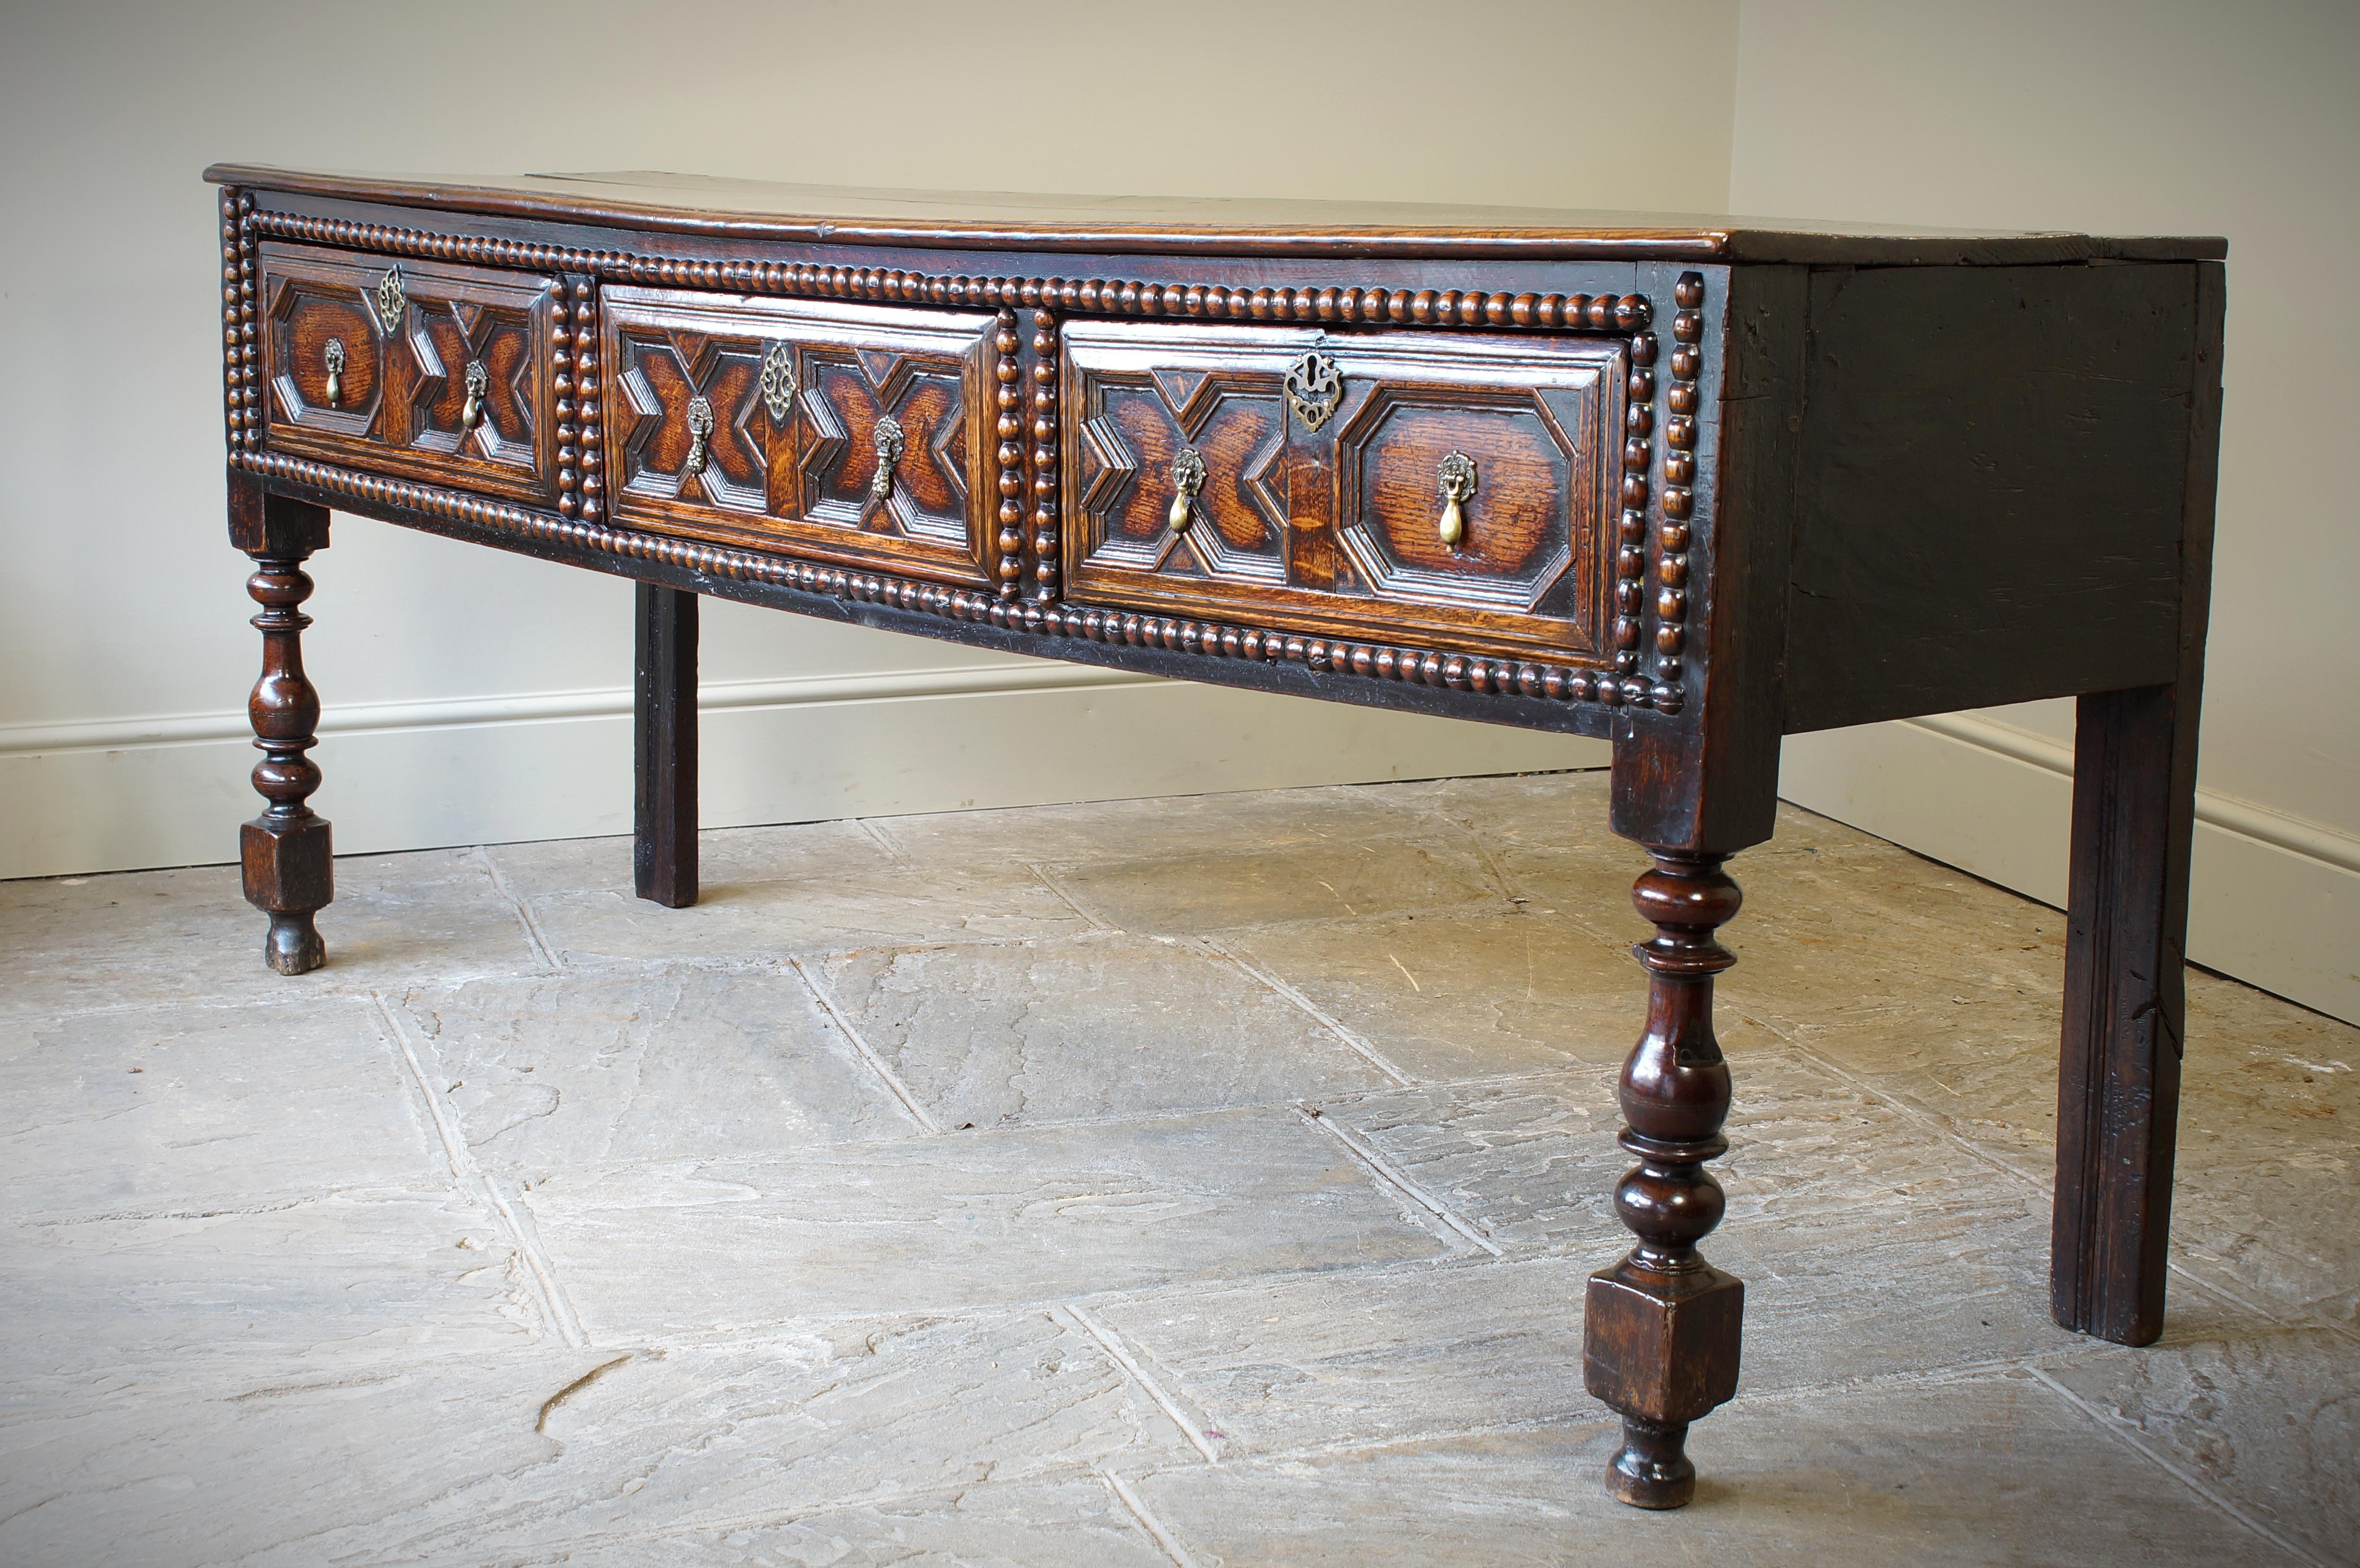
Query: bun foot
[[293, 945], [1652, 1471]]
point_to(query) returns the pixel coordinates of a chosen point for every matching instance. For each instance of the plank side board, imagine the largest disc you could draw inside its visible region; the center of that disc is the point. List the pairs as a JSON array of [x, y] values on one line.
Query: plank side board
[[1689, 485]]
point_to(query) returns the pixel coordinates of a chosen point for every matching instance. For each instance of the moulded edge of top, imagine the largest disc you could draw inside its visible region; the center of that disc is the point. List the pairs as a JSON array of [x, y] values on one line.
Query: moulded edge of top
[[833, 215]]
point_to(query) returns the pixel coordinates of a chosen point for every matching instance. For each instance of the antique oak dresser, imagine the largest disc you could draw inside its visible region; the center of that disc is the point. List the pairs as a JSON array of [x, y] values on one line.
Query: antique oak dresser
[[1686, 485]]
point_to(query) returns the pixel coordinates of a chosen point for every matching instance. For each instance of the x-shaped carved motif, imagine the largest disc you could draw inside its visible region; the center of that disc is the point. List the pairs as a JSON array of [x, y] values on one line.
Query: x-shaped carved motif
[[477, 327], [698, 367], [1191, 400]]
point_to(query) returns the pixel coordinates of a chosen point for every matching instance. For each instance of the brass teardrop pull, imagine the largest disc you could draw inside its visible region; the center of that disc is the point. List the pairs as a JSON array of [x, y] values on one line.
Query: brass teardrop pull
[[479, 382], [1458, 472], [889, 453], [700, 426], [334, 356], [1187, 479]]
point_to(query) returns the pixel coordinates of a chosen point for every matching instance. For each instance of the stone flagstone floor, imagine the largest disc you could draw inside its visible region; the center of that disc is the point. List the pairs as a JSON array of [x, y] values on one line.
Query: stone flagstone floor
[[1202, 1181]]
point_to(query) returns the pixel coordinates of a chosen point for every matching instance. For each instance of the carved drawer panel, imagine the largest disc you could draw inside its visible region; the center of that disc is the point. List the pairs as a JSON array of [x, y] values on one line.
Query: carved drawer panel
[[1385, 484], [850, 432], [436, 371]]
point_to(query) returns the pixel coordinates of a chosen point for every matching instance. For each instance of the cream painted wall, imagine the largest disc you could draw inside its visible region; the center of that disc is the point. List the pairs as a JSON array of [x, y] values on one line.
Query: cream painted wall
[[473, 696], [2168, 116]]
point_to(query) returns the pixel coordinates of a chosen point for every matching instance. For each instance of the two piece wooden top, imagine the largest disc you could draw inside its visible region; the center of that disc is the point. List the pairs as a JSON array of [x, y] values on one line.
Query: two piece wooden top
[[748, 208]]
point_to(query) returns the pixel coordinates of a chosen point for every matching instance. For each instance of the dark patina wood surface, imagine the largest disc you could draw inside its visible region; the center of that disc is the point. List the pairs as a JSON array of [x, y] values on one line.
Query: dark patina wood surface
[[1687, 484], [664, 726]]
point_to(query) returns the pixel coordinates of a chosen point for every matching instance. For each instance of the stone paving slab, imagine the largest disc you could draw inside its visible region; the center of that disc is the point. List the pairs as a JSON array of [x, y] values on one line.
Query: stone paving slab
[[1168, 825], [328, 1280], [2340, 1311], [555, 1072], [1569, 813], [174, 1108], [964, 1220], [764, 893], [1097, 1025], [2270, 1422], [165, 1466], [253, 1308], [1835, 921], [1376, 1356], [1992, 1470], [1531, 1162], [1222, 886], [2270, 1137], [146, 938], [1844, 1298], [1365, 1357], [2270, 1110], [1079, 1520], [847, 1415], [1464, 994]]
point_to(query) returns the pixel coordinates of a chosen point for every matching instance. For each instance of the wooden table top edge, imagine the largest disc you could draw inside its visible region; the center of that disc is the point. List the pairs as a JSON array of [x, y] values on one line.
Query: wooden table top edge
[[757, 210]]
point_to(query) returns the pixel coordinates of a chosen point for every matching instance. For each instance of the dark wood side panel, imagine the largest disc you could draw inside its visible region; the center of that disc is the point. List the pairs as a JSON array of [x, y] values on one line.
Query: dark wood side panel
[[1989, 495]]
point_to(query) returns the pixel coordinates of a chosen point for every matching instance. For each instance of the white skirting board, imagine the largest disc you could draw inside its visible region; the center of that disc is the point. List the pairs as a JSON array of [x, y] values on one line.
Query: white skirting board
[[170, 791], [2275, 900]]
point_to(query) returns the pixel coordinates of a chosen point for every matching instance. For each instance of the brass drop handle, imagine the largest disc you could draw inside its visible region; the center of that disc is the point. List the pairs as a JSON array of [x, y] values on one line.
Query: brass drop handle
[[1187, 479], [1458, 474], [889, 454], [700, 426], [479, 382], [334, 355]]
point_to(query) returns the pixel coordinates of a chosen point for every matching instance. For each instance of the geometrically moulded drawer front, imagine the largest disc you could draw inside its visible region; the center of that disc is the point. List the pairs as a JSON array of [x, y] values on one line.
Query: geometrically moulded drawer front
[[1310, 480], [436, 371], [851, 433]]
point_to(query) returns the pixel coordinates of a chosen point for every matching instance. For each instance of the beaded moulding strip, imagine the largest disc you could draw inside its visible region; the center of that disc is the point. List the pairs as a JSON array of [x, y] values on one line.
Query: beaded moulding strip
[[1672, 535], [565, 388], [1414, 666], [1324, 305], [1008, 397], [241, 328], [1047, 563]]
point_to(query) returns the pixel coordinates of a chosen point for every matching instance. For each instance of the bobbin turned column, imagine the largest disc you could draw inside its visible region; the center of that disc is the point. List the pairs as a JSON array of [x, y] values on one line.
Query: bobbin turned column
[[285, 851], [1660, 1329]]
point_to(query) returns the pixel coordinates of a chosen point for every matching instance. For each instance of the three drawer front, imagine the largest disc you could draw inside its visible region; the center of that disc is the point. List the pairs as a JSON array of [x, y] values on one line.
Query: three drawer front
[[436, 371], [1385, 484], [848, 432]]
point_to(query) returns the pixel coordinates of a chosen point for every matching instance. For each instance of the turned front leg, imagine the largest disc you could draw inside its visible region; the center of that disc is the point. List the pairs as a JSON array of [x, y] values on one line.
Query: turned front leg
[[1660, 1329], [285, 851]]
